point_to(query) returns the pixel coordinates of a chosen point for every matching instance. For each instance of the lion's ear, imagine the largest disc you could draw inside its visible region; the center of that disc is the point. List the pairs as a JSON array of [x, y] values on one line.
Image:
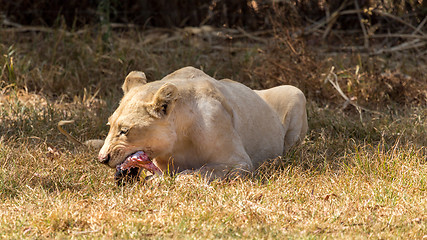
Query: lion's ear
[[163, 101], [134, 78]]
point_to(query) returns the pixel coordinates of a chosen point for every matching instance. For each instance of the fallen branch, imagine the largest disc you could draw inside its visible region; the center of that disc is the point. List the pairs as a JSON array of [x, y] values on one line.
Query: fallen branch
[[332, 19], [394, 35], [399, 20], [250, 36], [420, 25], [17, 28], [332, 78], [362, 25], [404, 46], [329, 22]]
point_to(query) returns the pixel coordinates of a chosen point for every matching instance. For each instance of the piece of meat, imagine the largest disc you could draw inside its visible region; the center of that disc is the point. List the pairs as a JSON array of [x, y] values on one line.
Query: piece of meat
[[140, 160], [122, 177]]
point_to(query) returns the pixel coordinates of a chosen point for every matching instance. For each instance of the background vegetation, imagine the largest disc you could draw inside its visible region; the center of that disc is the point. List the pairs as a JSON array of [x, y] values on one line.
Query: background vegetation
[[361, 172]]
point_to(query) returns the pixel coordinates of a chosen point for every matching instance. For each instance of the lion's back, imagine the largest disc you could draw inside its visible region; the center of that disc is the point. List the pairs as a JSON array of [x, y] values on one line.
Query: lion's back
[[258, 126]]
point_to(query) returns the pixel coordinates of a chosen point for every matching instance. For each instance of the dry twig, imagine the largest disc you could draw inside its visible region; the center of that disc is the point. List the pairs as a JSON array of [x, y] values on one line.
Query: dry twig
[[399, 20], [66, 134], [332, 19], [416, 43], [332, 78], [251, 36], [362, 25]]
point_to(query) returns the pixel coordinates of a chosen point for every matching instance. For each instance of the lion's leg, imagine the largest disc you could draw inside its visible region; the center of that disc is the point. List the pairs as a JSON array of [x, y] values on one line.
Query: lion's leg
[[226, 158], [224, 170], [219, 171]]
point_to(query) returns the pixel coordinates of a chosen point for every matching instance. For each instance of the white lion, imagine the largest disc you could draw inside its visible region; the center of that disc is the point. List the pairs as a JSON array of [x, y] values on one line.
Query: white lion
[[190, 122]]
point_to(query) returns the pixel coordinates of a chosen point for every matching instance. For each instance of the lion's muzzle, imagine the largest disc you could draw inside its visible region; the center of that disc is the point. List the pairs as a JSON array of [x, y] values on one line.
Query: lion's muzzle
[[104, 158]]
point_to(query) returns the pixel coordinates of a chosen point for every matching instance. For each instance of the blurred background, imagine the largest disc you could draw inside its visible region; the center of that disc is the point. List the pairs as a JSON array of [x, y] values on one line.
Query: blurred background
[[249, 14], [374, 50]]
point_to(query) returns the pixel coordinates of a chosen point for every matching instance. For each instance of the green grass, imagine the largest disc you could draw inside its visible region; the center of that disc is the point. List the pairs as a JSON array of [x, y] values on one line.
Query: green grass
[[348, 180]]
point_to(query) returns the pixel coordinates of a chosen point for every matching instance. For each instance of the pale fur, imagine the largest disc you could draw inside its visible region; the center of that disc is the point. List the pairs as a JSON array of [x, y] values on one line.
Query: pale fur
[[189, 122], [289, 102]]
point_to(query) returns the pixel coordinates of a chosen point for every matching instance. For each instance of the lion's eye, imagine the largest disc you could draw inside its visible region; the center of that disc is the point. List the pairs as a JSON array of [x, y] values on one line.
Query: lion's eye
[[124, 131]]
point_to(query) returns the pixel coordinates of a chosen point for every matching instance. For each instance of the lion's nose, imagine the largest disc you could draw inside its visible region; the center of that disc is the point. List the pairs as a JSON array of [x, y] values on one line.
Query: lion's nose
[[104, 158]]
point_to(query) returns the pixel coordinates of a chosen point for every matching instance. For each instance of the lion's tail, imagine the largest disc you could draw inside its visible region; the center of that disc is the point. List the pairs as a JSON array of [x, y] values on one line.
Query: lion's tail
[[66, 134]]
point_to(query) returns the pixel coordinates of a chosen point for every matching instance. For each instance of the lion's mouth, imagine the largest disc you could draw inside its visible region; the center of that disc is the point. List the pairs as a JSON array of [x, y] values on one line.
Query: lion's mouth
[[139, 160]]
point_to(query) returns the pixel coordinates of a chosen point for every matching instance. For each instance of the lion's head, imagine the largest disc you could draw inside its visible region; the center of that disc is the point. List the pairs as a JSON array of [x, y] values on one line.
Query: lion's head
[[142, 122]]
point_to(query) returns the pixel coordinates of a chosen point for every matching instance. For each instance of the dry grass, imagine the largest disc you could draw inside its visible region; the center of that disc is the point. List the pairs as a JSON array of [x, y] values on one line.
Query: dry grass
[[350, 179], [374, 191]]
